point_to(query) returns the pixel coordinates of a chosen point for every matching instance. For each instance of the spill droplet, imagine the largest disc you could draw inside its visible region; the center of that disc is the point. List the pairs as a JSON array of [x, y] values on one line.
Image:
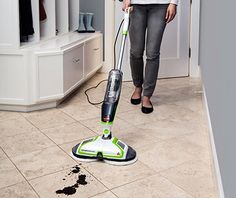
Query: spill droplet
[[82, 179], [76, 169], [70, 190]]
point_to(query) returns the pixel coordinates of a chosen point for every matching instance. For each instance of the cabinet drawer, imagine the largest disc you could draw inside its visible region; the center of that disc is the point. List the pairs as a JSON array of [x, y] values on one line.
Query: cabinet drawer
[[93, 55], [72, 67]]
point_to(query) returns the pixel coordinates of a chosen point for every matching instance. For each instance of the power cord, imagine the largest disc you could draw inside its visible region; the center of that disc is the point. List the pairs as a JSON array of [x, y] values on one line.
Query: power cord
[[94, 87]]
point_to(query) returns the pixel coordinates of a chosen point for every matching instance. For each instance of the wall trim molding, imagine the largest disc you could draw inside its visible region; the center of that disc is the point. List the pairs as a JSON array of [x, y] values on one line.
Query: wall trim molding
[[213, 148], [194, 39]]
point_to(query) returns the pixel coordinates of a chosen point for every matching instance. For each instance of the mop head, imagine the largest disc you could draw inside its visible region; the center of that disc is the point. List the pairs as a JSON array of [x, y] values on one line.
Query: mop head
[[111, 151]]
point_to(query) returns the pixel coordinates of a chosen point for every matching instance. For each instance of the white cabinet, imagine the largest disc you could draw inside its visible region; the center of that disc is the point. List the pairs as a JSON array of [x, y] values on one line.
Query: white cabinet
[[41, 75], [53, 62]]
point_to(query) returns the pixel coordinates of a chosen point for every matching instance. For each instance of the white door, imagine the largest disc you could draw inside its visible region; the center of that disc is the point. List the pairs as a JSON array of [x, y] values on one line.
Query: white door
[[175, 45]]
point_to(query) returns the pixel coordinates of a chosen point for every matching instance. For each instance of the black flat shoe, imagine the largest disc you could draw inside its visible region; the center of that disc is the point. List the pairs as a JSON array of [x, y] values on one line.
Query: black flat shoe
[[135, 101], [147, 110]]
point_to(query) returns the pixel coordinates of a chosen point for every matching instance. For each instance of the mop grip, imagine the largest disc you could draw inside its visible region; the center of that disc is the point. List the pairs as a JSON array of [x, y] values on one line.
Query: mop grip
[[126, 20]]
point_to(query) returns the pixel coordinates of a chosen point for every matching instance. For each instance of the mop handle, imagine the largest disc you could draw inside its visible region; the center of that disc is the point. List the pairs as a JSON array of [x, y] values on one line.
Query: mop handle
[[124, 36]]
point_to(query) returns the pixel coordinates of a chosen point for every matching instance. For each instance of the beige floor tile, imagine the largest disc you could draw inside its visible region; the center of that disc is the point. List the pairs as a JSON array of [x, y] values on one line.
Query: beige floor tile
[[49, 118], [113, 176], [126, 93], [82, 111], [97, 78], [174, 83], [193, 103], [125, 106], [47, 186], [137, 117], [176, 112], [167, 129], [190, 90], [21, 190], [96, 95], [214, 195], [67, 147], [164, 155], [9, 175], [155, 186], [195, 150], [25, 143], [68, 133], [165, 96], [137, 137], [39, 163], [14, 127], [80, 92], [194, 177], [2, 155], [200, 139], [119, 125], [7, 115], [171, 112], [107, 194], [71, 99], [78, 96]]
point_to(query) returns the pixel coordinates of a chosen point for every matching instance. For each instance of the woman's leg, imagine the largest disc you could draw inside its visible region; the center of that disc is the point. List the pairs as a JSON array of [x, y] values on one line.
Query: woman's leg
[[155, 28], [137, 31]]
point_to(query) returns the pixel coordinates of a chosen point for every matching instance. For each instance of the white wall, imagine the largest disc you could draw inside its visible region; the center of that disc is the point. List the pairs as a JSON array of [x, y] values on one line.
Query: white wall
[[109, 39]]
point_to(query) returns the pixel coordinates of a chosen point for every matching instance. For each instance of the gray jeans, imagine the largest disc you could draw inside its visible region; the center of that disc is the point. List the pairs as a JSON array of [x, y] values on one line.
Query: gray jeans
[[148, 18]]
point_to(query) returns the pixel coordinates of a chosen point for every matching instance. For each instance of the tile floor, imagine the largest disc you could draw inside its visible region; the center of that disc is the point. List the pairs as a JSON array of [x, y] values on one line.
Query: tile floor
[[172, 143]]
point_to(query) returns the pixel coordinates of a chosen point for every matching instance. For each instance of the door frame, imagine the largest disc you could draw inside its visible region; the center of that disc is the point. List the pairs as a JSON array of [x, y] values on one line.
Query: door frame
[[194, 25]]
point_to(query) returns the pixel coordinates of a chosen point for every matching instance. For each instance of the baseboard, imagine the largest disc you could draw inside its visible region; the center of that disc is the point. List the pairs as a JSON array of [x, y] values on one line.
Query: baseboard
[[213, 148], [28, 108], [194, 71]]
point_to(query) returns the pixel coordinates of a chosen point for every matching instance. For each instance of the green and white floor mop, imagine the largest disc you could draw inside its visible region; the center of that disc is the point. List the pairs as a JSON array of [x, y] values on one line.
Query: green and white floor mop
[[105, 147]]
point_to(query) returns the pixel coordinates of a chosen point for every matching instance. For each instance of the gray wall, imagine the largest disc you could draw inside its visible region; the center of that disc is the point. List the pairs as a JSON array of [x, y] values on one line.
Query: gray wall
[[218, 65]]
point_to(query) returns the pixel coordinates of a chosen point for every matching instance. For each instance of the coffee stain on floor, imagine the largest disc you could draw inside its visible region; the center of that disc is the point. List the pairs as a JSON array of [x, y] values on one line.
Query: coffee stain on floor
[[81, 180]]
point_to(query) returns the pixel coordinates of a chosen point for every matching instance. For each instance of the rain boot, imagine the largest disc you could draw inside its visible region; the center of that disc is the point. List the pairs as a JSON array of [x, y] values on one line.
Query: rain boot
[[88, 22], [81, 28]]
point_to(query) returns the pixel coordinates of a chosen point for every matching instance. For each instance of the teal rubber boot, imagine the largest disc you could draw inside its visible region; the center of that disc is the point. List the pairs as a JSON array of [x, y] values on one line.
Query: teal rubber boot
[[88, 22], [81, 28]]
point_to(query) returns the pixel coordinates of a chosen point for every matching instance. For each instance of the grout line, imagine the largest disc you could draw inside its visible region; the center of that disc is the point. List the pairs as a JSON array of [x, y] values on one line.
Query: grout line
[[12, 185], [47, 174], [136, 180], [114, 194], [50, 127], [21, 174], [102, 193]]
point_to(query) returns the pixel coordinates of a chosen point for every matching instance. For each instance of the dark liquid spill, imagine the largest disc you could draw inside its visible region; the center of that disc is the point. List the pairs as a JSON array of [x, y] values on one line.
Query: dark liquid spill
[[70, 190], [82, 179], [76, 169]]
